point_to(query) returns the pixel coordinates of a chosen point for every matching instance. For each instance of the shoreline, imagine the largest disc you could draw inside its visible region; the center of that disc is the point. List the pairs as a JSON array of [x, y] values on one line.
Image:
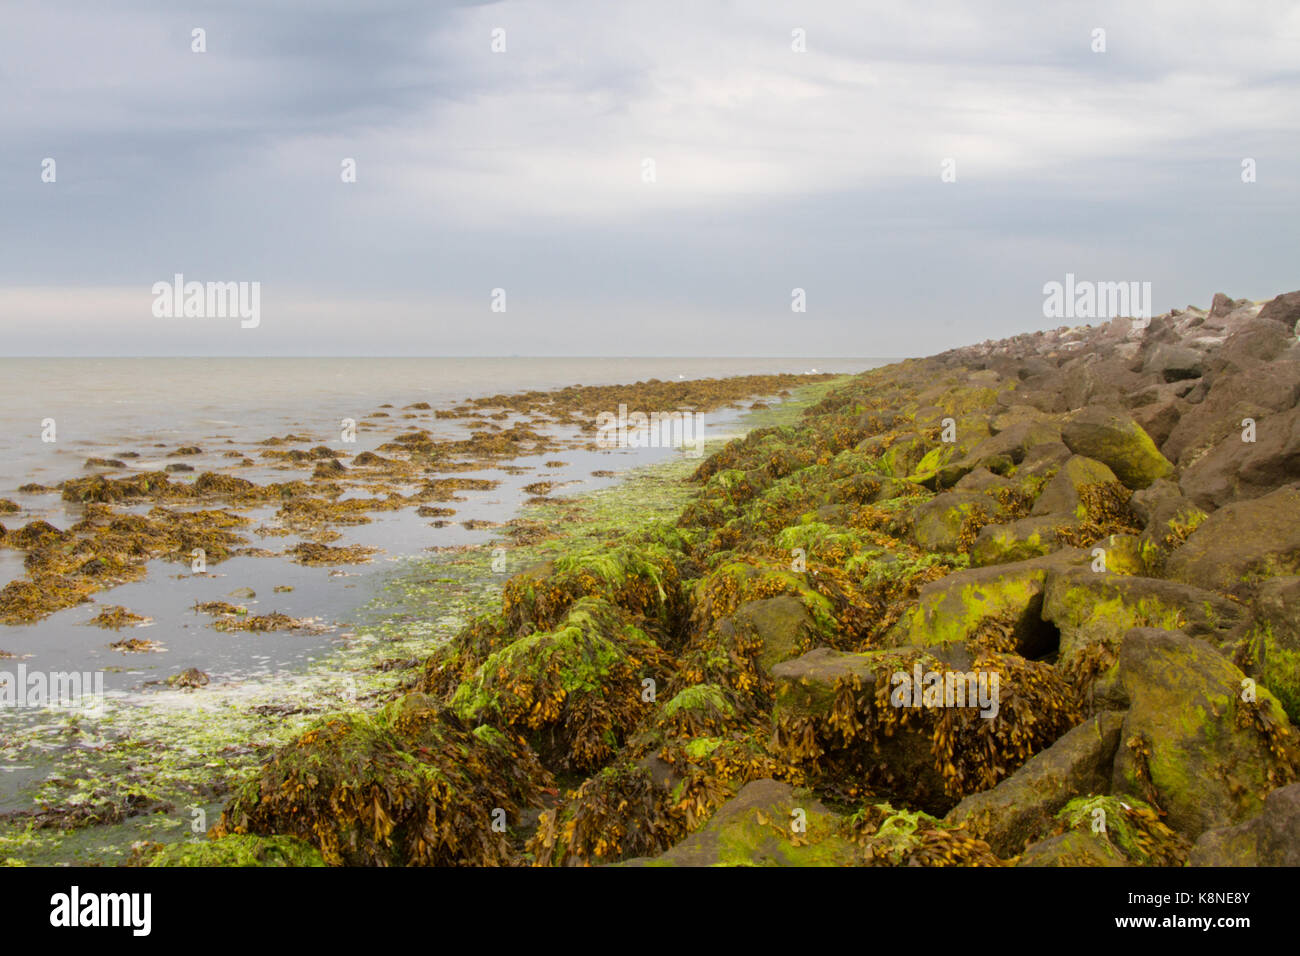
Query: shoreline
[[236, 725]]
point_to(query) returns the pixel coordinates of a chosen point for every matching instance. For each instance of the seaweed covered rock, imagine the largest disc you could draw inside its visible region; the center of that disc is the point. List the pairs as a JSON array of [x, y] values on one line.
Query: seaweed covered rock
[[768, 823], [1200, 741], [1241, 545], [928, 726], [1023, 806], [409, 786], [949, 522], [621, 811], [830, 597], [575, 691], [890, 837], [642, 580], [782, 626], [1116, 440], [1270, 838], [1099, 830]]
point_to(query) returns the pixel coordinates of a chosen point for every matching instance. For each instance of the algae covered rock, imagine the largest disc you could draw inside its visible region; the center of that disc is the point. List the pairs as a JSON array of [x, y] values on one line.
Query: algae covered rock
[[1023, 806], [1020, 540], [891, 837], [782, 625], [1100, 830], [949, 521], [768, 823], [409, 786], [642, 580], [1093, 610], [966, 604], [1271, 838], [1199, 740], [1272, 645], [1116, 440], [1074, 848], [1242, 544], [576, 690], [925, 726]]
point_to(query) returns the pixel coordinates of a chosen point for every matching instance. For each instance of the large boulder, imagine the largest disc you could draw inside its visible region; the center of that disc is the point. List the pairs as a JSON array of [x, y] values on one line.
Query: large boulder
[[1198, 740], [926, 726], [1068, 491], [1271, 838], [963, 605], [1235, 468], [1022, 807], [1115, 439], [781, 624], [1241, 545], [1284, 309], [767, 823], [1098, 607]]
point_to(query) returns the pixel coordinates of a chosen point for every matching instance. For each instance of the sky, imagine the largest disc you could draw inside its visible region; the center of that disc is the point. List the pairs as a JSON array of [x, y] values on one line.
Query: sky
[[638, 178]]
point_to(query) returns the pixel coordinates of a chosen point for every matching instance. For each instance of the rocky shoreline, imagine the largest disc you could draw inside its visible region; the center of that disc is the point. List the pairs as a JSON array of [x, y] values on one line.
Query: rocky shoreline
[[1098, 525]]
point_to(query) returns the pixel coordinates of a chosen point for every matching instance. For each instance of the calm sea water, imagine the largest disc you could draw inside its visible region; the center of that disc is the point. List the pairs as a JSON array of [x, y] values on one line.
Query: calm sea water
[[102, 405]]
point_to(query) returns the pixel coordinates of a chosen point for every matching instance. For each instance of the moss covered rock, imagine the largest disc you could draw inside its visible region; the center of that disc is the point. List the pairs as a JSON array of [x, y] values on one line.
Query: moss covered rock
[[768, 823], [1199, 741], [1115, 439], [967, 604]]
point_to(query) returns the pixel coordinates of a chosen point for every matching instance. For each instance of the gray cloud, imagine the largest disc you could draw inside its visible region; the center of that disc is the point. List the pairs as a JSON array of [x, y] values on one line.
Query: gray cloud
[[523, 170]]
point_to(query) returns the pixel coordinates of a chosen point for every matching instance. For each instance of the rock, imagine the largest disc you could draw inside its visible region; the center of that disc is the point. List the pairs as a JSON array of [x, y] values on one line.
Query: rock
[[939, 522], [1020, 540], [982, 480], [1159, 419], [1235, 469], [839, 716], [1022, 806], [1262, 390], [1272, 646], [1284, 309], [754, 828], [1116, 440], [1221, 305], [1190, 744], [957, 607], [1241, 545], [1090, 608], [781, 623], [1272, 838], [1065, 493], [1173, 363], [1073, 848]]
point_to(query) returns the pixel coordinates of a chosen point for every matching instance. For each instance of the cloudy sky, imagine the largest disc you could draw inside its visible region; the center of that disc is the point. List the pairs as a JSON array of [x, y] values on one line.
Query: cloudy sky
[[525, 170]]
